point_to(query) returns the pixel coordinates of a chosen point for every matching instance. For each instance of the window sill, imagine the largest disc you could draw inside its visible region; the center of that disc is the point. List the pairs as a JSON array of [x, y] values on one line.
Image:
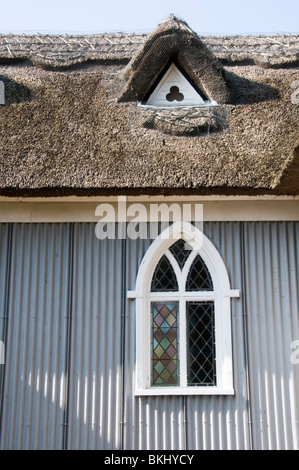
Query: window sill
[[178, 106], [157, 391]]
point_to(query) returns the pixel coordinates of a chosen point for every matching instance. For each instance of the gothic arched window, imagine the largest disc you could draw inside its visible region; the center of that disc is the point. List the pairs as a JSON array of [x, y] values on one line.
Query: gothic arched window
[[183, 328]]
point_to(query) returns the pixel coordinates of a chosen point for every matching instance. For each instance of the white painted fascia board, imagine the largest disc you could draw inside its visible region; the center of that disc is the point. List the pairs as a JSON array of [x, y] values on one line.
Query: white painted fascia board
[[34, 210]]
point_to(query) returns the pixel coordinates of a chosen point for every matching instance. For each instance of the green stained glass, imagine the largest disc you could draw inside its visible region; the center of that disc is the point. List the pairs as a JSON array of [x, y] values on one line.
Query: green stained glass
[[164, 343]]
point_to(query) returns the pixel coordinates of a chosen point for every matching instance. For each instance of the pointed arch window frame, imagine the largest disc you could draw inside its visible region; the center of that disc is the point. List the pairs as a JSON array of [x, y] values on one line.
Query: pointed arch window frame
[[221, 295]]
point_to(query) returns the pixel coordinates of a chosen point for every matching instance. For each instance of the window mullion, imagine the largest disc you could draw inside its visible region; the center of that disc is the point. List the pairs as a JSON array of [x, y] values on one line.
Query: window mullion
[[183, 345]]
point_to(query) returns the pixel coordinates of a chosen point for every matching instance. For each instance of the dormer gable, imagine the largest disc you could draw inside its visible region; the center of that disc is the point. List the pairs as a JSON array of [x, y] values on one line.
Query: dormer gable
[[174, 89], [174, 42]]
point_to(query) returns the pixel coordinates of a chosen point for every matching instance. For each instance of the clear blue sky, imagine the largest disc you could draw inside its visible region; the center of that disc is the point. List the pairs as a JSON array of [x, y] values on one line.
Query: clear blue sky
[[91, 16]]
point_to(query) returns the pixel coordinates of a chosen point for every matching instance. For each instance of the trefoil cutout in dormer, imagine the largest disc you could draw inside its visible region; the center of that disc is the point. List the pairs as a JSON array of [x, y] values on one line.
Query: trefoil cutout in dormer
[[174, 89]]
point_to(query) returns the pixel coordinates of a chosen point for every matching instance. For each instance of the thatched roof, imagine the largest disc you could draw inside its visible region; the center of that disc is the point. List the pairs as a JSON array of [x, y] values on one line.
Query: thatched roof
[[66, 129], [173, 41]]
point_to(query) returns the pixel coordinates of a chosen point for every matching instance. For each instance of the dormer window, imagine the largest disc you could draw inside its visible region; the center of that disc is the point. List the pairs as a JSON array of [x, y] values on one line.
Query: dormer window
[[174, 89], [173, 68]]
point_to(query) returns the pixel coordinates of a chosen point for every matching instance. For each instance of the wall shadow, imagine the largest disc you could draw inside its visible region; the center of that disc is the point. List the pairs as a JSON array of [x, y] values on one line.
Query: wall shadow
[[15, 92], [244, 91]]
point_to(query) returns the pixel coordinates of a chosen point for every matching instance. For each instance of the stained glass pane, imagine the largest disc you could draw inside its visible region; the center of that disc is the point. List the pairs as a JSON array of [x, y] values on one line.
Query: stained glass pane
[[179, 252], [164, 278], [199, 278], [164, 343], [201, 334]]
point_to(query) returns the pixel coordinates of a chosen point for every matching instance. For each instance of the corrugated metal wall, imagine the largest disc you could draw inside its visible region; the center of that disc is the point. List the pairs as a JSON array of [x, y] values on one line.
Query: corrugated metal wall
[[69, 335], [36, 308], [272, 317]]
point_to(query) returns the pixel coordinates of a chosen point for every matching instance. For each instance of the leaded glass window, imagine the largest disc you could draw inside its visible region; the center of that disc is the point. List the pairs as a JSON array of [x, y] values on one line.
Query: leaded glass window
[[165, 343], [164, 278], [180, 251], [183, 321], [201, 338], [199, 277], [198, 335]]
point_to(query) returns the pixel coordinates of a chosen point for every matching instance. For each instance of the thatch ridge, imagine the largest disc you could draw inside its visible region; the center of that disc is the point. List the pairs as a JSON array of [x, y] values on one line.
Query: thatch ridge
[[67, 50]]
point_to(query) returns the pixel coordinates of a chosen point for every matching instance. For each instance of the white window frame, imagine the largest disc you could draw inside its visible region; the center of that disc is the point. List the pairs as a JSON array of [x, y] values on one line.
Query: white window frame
[[221, 296], [174, 77]]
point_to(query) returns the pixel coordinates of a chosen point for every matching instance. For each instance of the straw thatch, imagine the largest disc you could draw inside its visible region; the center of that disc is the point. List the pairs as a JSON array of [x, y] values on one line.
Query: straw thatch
[[67, 50], [63, 130], [173, 41]]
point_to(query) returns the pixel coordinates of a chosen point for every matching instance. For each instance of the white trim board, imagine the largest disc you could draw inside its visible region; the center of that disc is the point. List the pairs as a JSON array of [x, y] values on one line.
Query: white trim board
[[84, 210]]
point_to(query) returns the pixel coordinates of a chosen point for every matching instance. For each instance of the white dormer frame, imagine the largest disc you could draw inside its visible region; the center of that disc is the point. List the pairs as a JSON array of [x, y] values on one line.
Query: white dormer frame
[[185, 94]]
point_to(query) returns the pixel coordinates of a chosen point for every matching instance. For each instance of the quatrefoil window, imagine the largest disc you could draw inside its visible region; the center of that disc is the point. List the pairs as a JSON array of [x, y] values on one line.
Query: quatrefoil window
[[174, 94]]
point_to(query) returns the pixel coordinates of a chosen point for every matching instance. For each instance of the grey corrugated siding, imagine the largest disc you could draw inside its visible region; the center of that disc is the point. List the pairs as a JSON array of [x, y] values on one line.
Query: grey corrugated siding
[[69, 332], [33, 400], [272, 312], [95, 386]]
